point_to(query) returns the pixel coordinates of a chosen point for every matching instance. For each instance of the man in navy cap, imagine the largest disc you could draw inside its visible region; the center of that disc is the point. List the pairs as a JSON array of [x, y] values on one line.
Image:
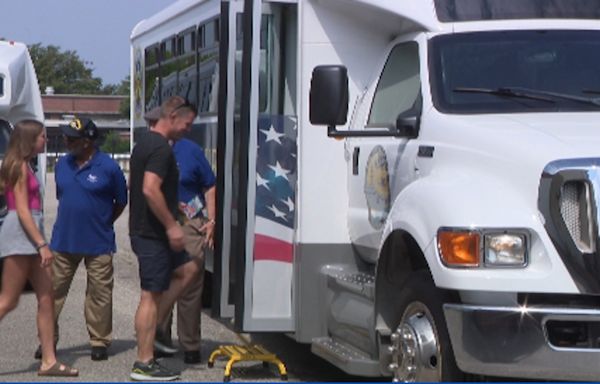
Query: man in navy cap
[[92, 193]]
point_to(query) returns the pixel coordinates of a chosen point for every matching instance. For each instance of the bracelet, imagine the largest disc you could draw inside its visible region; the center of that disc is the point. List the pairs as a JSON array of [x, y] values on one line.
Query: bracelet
[[212, 221], [40, 246]]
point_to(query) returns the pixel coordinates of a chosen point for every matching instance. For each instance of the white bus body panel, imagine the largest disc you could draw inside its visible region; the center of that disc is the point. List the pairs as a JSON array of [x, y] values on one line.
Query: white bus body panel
[[447, 197], [21, 99]]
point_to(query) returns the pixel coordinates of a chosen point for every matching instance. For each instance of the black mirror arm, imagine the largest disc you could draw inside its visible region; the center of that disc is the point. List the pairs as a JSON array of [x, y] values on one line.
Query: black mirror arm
[[333, 132]]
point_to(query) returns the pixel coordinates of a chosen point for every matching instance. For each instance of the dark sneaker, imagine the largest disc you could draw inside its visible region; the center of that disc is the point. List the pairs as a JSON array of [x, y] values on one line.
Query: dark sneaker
[[152, 371], [163, 344], [164, 348], [191, 357], [159, 355], [99, 353]]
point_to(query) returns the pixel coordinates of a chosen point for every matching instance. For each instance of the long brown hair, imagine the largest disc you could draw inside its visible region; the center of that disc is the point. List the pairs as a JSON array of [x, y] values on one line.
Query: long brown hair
[[20, 150]]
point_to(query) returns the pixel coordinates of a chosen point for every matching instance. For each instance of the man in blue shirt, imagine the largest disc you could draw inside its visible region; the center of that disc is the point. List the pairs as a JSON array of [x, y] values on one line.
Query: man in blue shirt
[[92, 193], [197, 201]]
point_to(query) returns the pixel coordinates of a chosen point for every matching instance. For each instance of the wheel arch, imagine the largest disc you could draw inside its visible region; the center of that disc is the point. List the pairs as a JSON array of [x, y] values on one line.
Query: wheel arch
[[400, 255]]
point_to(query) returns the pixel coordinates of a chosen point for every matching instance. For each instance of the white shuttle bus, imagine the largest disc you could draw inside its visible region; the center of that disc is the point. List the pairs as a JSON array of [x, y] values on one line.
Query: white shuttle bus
[[410, 186], [20, 99]]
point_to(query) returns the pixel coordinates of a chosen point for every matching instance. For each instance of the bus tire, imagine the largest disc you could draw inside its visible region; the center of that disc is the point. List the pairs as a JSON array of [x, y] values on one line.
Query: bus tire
[[420, 344]]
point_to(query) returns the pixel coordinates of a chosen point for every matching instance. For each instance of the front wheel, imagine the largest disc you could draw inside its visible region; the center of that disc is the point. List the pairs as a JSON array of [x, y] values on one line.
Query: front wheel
[[421, 350]]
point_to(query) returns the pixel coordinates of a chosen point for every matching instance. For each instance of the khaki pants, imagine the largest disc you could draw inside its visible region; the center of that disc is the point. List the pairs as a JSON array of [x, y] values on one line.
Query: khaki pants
[[189, 305], [98, 295]]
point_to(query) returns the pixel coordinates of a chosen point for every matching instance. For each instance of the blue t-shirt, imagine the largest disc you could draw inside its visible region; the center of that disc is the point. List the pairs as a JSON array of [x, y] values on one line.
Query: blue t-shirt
[[195, 173], [86, 200]]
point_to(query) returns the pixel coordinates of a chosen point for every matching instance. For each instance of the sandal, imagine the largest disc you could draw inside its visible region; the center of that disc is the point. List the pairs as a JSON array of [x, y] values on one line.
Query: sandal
[[59, 370]]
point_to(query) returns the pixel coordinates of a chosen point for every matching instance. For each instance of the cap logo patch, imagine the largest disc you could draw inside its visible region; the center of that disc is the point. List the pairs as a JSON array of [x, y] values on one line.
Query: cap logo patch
[[76, 124]]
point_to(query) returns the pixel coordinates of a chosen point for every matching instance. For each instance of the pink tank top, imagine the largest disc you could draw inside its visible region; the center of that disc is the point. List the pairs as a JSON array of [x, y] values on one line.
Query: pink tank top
[[33, 191]]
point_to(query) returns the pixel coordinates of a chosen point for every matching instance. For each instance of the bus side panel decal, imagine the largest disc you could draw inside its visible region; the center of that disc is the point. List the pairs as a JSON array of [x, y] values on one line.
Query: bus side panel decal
[[276, 175]]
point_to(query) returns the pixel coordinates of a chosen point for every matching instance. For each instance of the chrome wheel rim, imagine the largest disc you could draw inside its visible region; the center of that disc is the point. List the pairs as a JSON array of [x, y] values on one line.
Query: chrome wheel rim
[[415, 347]]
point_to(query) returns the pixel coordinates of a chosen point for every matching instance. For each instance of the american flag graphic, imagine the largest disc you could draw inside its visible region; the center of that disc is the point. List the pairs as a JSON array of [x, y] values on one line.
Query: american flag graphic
[[275, 209], [275, 188]]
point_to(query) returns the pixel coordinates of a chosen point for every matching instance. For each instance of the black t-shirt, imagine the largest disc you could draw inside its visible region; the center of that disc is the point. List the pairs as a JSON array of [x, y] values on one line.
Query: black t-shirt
[[152, 153]]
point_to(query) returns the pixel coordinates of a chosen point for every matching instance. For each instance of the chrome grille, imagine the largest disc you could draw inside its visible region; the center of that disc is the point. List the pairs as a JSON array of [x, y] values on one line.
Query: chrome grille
[[576, 212]]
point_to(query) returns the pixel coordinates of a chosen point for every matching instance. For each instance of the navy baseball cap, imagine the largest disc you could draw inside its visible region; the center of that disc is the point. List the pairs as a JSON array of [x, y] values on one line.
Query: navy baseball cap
[[80, 128]]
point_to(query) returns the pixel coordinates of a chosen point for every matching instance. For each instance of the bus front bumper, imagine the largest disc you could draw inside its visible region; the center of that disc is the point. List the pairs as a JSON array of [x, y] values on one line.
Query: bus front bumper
[[558, 343]]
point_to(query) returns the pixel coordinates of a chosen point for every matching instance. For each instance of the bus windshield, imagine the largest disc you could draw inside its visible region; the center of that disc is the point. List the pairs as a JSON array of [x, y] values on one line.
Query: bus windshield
[[516, 71], [463, 10]]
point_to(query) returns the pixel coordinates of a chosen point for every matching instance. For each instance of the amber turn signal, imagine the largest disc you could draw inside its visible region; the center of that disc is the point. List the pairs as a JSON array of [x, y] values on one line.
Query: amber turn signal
[[459, 248]]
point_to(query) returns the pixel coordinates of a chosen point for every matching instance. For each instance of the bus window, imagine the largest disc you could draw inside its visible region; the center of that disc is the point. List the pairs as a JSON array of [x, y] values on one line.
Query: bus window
[[210, 36], [1, 86], [168, 68], [186, 64], [151, 77], [208, 68], [270, 57]]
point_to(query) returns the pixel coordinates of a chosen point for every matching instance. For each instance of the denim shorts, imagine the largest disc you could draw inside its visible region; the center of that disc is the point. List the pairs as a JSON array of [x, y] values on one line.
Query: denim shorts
[[14, 240], [156, 262]]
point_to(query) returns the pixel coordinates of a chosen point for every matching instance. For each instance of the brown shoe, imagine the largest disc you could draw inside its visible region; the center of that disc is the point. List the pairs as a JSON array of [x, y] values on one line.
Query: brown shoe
[[59, 370]]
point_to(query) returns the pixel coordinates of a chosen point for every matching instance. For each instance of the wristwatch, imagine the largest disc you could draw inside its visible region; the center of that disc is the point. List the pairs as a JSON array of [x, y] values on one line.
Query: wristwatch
[[212, 221]]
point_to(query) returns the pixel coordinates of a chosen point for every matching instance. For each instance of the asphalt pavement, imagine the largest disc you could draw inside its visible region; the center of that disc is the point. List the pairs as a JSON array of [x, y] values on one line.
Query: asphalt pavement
[[18, 333]]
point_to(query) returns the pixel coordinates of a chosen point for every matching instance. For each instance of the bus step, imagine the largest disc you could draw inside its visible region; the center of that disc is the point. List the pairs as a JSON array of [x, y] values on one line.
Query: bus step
[[360, 283], [345, 357]]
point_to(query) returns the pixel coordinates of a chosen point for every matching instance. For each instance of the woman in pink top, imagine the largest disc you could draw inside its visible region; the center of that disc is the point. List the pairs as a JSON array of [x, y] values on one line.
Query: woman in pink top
[[24, 250]]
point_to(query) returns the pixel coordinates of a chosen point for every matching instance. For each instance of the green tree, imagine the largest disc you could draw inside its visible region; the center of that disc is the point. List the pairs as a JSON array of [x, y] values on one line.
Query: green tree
[[65, 71], [123, 89], [113, 143]]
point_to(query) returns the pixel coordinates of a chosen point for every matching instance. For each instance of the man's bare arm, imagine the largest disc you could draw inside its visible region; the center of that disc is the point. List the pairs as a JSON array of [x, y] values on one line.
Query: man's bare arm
[[158, 206]]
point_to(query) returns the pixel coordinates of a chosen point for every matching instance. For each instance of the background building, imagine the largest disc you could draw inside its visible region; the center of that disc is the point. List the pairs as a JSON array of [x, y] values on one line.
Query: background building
[[102, 109]]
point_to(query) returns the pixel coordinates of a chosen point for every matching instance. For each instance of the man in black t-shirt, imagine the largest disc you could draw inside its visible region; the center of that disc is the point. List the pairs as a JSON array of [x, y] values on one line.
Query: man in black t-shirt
[[156, 236]]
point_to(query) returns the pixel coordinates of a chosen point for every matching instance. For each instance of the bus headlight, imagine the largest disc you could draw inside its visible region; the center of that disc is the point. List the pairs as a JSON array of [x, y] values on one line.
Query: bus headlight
[[505, 249], [459, 248], [483, 247]]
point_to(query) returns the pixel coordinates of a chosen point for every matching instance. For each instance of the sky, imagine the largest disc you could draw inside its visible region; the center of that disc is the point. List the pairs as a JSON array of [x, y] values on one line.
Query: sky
[[98, 30]]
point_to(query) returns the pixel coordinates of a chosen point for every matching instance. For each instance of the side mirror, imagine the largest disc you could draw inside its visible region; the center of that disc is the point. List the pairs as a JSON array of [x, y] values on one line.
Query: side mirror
[[408, 122], [328, 104], [408, 126]]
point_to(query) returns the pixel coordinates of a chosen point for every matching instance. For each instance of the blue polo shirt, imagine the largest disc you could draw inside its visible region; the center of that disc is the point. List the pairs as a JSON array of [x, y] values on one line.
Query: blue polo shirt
[[195, 173], [86, 199]]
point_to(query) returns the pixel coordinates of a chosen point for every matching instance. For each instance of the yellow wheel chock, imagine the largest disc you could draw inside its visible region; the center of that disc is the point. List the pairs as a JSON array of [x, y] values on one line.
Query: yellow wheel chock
[[246, 352]]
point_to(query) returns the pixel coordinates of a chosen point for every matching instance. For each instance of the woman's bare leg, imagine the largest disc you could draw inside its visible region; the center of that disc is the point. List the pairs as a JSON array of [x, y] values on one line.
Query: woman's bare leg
[[14, 276], [41, 280]]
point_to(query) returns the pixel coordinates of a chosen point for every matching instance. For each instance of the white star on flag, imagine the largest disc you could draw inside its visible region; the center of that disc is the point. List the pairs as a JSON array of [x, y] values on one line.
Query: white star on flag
[[277, 212], [289, 203], [279, 170], [260, 182], [272, 134]]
